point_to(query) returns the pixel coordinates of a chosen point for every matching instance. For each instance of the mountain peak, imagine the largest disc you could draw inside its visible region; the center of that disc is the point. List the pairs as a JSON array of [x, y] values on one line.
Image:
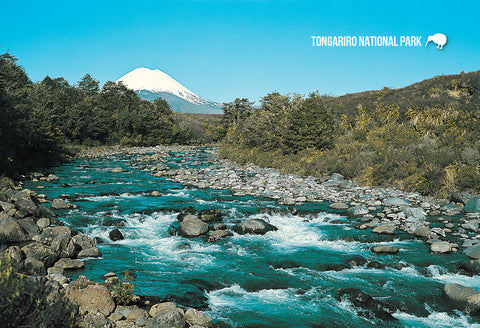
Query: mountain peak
[[156, 81]]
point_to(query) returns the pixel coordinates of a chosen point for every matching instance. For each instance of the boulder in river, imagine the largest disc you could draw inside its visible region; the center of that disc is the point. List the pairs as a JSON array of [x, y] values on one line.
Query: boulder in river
[[422, 231], [254, 226], [473, 205], [472, 266], [115, 235], [466, 298], [385, 249], [118, 170], [473, 251], [193, 227], [375, 309]]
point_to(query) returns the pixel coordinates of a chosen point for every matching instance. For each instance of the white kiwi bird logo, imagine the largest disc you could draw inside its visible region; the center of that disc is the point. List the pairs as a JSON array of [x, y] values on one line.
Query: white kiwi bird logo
[[439, 39]]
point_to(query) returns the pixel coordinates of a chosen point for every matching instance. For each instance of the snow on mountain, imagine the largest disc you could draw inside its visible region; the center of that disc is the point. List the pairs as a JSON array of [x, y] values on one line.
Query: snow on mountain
[[157, 81]]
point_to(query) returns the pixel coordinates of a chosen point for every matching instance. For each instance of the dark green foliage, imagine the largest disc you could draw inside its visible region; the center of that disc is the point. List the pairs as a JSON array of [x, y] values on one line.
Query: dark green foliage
[[23, 142], [37, 120], [31, 302]]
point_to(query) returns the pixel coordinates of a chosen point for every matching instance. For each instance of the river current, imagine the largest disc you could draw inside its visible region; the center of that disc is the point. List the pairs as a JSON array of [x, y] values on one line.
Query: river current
[[292, 277]]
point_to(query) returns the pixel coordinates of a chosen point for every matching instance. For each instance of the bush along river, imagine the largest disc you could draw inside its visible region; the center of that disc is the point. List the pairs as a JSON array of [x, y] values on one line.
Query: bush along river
[[252, 247]]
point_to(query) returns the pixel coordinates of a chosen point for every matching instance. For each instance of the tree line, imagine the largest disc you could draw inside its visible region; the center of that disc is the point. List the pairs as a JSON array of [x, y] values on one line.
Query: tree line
[[37, 120]]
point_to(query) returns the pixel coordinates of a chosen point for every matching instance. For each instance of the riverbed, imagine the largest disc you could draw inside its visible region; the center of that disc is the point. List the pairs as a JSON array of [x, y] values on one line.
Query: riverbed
[[296, 276]]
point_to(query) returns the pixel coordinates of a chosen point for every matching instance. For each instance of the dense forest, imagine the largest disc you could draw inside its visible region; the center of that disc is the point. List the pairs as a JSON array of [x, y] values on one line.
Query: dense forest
[[40, 122], [423, 138]]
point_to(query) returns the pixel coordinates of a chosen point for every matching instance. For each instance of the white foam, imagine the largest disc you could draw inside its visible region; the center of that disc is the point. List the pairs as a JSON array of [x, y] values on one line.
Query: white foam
[[435, 319]]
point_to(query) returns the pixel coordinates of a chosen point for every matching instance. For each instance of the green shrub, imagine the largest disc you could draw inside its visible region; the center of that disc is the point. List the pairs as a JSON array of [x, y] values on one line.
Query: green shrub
[[30, 302], [123, 289]]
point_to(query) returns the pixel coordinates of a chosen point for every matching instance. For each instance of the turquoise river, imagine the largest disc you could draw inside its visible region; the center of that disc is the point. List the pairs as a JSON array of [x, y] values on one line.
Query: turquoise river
[[293, 277]]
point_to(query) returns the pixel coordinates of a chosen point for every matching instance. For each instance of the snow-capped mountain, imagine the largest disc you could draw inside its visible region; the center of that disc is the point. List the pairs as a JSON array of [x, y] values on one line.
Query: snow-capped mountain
[[153, 83]]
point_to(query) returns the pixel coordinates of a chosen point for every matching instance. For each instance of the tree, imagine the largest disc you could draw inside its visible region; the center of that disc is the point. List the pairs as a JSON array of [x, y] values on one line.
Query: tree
[[309, 126], [235, 111], [89, 85]]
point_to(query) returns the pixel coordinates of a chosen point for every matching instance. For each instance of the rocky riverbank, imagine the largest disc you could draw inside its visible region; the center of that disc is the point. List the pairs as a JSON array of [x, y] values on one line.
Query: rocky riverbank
[[35, 244]]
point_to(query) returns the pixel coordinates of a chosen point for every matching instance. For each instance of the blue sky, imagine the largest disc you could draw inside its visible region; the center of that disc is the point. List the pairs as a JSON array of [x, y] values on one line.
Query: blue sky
[[227, 49]]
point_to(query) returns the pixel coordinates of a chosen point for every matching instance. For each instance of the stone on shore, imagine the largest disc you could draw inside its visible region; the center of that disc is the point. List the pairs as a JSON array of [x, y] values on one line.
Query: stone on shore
[[473, 205], [254, 226], [395, 201], [60, 204], [162, 308], [339, 206], [11, 231], [89, 252], [69, 264], [441, 247], [358, 210], [422, 231], [194, 317], [91, 297], [193, 227], [40, 252], [171, 319], [385, 228]]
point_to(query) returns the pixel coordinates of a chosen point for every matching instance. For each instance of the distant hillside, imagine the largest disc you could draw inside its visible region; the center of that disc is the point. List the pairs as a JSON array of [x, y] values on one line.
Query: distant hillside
[[462, 89], [424, 137]]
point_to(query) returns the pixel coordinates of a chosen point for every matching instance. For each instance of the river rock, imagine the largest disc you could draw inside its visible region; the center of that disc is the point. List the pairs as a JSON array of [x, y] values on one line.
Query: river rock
[[441, 247], [457, 197], [91, 297], [395, 201], [254, 226], [464, 297], [89, 252], [34, 267], [135, 313], [357, 210], [43, 223], [40, 252], [11, 231], [472, 266], [94, 320], [162, 308], [217, 234], [452, 209], [194, 317], [83, 241], [473, 205], [115, 235], [339, 206], [192, 227], [385, 228], [473, 251], [414, 212], [155, 193], [422, 231], [171, 319], [60, 204], [385, 249], [472, 226], [69, 264], [118, 170], [24, 202]]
